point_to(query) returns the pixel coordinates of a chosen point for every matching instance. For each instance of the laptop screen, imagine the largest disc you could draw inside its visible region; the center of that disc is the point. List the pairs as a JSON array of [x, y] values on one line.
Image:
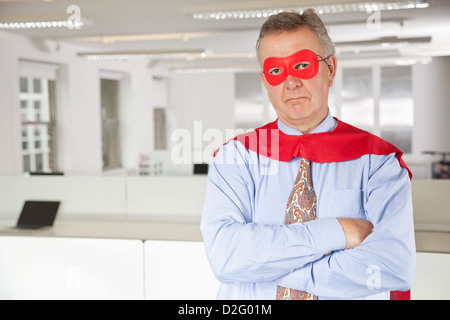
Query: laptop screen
[[38, 213]]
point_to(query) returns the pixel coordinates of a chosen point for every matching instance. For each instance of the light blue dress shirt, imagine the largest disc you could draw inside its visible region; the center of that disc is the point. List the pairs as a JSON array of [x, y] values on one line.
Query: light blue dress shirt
[[252, 251]]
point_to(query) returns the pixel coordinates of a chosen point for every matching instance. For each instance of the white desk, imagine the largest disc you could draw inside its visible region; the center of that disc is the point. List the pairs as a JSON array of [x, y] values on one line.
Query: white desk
[[177, 270], [106, 260], [70, 268], [146, 229], [432, 279], [114, 229]]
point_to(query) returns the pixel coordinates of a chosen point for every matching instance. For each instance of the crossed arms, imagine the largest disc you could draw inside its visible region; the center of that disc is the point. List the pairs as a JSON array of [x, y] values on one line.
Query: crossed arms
[[296, 256]]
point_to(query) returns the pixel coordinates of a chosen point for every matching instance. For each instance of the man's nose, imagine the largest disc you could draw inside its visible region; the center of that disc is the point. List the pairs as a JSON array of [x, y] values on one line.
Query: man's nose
[[293, 82]]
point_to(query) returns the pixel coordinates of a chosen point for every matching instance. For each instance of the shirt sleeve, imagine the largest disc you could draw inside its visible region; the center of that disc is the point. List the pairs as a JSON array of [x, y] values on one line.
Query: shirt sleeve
[[240, 250], [385, 260]]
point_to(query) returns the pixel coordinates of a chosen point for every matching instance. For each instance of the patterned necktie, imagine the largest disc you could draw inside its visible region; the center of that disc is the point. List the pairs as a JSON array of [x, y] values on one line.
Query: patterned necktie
[[301, 207]]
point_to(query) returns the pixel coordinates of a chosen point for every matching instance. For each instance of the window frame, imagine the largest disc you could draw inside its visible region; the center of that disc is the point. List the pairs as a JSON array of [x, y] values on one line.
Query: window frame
[[46, 75], [376, 95], [114, 122]]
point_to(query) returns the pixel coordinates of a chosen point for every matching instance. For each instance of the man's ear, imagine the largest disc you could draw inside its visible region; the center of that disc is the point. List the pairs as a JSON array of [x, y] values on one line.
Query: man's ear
[[332, 67], [261, 76], [264, 81]]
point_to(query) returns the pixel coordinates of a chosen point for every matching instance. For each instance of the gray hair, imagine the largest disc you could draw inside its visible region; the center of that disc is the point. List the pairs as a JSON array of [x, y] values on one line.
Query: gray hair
[[292, 21]]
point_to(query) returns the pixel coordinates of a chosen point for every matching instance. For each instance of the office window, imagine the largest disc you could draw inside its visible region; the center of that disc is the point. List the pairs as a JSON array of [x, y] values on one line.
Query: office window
[[110, 123], [357, 98], [37, 109], [397, 107], [159, 118], [249, 106], [160, 96], [377, 99]]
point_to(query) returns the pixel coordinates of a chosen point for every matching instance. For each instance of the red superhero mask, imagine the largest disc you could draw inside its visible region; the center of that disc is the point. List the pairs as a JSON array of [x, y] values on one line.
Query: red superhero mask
[[303, 64]]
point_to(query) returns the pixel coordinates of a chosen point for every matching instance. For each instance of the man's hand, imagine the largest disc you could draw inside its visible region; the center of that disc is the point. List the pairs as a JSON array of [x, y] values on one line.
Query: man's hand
[[355, 230]]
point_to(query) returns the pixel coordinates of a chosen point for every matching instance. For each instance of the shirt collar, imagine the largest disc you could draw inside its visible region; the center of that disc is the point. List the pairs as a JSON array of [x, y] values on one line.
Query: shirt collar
[[328, 124]]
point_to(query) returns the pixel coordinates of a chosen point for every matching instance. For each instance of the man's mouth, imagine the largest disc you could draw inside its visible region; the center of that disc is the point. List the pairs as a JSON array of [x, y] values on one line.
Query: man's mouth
[[296, 99]]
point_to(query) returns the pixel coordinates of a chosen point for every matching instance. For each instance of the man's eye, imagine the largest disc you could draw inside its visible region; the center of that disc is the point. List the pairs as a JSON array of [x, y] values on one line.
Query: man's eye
[[302, 65], [275, 71]]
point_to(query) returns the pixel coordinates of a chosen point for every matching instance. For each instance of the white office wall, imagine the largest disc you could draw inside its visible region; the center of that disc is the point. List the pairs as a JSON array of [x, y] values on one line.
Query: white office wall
[[83, 120], [202, 104], [435, 192], [166, 197], [79, 196], [10, 135]]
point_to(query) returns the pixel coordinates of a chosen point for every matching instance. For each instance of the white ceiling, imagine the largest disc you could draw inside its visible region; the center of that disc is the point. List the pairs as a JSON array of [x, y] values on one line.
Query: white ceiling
[[115, 25]]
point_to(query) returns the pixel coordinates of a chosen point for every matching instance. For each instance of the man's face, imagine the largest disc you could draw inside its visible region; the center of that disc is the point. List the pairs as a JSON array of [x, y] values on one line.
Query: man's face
[[300, 101]]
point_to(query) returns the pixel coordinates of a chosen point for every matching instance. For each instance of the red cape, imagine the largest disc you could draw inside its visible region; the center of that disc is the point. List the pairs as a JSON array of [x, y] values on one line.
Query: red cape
[[344, 143]]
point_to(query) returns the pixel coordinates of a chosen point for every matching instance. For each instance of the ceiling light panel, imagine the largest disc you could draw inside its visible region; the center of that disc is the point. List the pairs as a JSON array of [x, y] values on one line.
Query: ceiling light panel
[[42, 21], [255, 12], [41, 24], [218, 69], [127, 55]]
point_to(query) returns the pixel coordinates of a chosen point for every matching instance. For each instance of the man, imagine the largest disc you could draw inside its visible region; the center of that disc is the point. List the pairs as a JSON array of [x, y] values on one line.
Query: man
[[307, 207]]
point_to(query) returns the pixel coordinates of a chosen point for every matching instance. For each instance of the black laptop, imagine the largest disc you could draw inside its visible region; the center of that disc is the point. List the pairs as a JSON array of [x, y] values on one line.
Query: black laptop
[[201, 168], [37, 214]]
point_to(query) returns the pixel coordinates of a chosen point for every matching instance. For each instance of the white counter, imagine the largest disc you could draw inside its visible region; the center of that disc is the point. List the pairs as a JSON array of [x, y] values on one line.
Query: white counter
[[112, 229], [147, 229]]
